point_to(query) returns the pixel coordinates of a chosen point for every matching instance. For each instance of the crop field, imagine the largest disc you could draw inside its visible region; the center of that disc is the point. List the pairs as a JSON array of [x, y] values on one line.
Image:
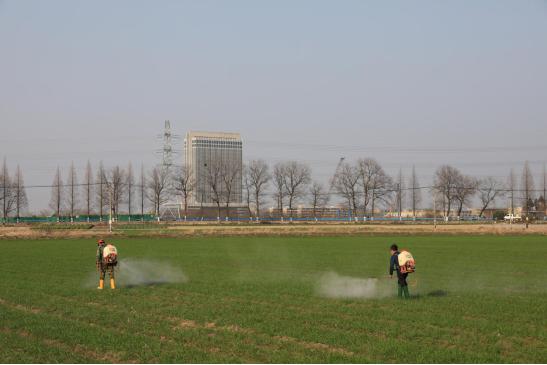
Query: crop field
[[275, 299]]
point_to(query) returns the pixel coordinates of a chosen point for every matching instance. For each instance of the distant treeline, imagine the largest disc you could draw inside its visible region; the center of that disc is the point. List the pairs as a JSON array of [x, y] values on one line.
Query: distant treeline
[[362, 187]]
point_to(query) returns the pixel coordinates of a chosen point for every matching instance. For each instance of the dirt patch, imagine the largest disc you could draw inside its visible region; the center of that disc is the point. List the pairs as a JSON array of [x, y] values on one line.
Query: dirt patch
[[315, 345], [307, 229], [21, 307], [27, 232], [109, 357], [106, 356], [188, 324], [185, 323]]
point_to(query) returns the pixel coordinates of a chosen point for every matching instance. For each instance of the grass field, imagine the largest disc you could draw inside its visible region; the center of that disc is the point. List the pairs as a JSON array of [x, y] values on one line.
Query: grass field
[[259, 299]]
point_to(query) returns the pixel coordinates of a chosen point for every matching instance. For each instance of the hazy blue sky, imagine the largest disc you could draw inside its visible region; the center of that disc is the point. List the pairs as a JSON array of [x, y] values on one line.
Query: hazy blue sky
[[423, 82]]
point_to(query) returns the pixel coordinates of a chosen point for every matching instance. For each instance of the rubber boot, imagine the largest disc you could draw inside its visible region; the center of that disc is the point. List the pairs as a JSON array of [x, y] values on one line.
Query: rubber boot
[[112, 283], [101, 284], [400, 291], [405, 292]]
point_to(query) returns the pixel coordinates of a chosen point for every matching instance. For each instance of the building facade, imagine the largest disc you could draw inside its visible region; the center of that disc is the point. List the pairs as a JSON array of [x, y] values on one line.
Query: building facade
[[214, 158]]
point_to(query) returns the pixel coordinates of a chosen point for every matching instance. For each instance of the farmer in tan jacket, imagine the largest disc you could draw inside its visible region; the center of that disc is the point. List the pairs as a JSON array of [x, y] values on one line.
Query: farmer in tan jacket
[[106, 260]]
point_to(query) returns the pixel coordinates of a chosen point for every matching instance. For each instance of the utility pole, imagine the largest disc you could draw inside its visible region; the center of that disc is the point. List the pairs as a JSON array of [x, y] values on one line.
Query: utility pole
[[400, 202], [110, 210]]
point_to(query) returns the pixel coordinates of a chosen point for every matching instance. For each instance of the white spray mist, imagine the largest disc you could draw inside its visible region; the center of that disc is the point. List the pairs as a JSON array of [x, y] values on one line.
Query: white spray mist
[[332, 285], [142, 272]]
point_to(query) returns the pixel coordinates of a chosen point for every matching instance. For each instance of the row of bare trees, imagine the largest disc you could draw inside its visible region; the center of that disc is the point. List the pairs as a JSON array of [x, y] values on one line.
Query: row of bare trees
[[364, 186], [98, 193], [108, 189], [111, 188], [13, 196], [291, 182], [455, 190]]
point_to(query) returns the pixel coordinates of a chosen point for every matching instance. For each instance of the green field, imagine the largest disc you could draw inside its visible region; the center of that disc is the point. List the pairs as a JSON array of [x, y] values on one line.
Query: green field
[[475, 299]]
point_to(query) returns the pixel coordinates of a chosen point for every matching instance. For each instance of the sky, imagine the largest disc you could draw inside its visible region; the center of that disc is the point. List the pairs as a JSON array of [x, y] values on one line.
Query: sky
[[419, 83]]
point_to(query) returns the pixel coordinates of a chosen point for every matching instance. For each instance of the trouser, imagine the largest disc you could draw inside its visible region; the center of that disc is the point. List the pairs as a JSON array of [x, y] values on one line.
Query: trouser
[[401, 278], [402, 285], [106, 268]]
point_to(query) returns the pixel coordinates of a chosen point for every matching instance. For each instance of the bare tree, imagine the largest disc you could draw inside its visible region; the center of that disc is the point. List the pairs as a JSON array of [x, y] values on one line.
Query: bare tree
[[72, 191], [296, 178], [380, 189], [247, 187], [184, 184], [6, 194], [129, 188], [116, 186], [57, 194], [318, 197], [511, 186], [279, 185], [158, 188], [465, 189], [231, 177], [489, 189], [415, 192], [258, 178], [102, 190], [370, 172], [527, 189], [445, 181], [20, 195], [346, 184], [214, 180], [88, 188], [142, 189]]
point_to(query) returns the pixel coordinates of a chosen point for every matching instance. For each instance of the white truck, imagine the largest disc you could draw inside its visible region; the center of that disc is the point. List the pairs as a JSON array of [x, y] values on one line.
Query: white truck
[[512, 218]]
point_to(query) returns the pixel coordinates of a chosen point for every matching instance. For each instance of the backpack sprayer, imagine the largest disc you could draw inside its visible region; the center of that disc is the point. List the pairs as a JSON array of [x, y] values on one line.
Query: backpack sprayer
[[407, 265], [406, 262]]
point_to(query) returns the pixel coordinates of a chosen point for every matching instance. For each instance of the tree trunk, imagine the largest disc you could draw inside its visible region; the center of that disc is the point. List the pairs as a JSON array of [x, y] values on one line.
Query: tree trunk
[[373, 199], [290, 206], [257, 201], [185, 206]]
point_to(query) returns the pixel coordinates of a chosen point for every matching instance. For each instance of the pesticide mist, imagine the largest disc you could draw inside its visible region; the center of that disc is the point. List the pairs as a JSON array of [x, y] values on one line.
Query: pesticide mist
[[332, 285], [142, 272], [137, 272]]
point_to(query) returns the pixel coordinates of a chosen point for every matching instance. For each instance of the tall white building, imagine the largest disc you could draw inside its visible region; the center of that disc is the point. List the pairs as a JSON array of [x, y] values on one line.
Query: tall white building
[[209, 153]]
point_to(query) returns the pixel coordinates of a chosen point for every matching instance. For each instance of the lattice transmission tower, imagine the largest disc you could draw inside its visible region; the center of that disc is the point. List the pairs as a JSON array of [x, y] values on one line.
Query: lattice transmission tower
[[168, 151]]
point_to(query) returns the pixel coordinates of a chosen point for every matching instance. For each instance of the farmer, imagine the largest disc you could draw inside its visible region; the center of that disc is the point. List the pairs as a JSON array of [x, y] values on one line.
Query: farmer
[[106, 260], [401, 276]]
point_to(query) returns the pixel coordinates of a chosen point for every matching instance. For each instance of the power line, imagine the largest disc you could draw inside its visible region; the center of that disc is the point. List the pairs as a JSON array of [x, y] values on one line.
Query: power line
[[388, 190], [356, 148]]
